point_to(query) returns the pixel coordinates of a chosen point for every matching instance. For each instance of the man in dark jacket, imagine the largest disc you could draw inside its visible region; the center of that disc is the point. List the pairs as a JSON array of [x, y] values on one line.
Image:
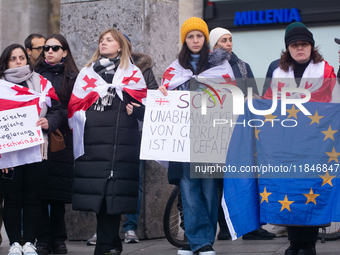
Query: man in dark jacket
[[222, 38]]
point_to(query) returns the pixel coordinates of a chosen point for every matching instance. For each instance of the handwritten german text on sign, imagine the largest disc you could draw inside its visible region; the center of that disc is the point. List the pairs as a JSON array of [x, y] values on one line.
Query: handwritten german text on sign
[[18, 129], [176, 130]]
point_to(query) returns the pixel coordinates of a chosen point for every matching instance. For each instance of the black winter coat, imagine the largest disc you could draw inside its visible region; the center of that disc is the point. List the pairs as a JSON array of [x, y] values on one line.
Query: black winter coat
[[144, 63], [60, 166], [273, 65], [109, 168], [243, 83]]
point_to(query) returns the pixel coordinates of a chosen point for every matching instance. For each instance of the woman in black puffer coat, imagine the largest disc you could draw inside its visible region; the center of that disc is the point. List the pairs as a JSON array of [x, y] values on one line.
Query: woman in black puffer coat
[[57, 65], [106, 176]]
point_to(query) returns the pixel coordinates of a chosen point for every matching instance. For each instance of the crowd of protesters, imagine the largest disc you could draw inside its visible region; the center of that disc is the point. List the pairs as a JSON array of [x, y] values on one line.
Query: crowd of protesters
[[98, 169]]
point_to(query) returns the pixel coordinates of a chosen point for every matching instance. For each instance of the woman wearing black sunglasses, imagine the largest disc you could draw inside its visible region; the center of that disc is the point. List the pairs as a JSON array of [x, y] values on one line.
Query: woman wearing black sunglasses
[[57, 65]]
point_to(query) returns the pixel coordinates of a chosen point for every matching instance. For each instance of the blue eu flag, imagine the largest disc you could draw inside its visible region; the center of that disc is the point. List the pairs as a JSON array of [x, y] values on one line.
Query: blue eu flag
[[285, 168]]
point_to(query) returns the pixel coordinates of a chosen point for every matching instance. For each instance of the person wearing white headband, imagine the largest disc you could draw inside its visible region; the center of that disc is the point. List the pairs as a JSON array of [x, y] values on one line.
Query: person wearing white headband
[[222, 38]]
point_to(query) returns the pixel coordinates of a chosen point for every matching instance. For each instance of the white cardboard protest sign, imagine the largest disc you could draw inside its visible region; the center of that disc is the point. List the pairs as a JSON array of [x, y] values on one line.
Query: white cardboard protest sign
[[18, 129], [175, 129]]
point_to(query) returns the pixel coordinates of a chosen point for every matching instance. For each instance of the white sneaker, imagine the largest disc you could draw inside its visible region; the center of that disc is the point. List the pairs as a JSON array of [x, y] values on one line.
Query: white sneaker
[[29, 249], [131, 237], [92, 240], [16, 249], [186, 250]]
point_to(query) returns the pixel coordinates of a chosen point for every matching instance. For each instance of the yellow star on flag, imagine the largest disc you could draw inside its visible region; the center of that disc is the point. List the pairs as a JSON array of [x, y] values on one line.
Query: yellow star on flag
[[329, 133], [285, 204], [269, 117], [315, 118], [257, 133], [292, 112], [311, 196], [327, 179], [333, 155], [265, 195]]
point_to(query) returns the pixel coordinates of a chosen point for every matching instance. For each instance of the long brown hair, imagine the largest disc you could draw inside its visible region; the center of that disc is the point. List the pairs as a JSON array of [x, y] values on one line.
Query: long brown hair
[[125, 47], [286, 59], [184, 58], [69, 63]]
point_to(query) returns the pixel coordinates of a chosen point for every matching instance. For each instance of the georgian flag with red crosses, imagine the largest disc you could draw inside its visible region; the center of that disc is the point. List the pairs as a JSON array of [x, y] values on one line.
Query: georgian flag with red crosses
[[15, 96], [89, 86], [176, 75], [318, 78]]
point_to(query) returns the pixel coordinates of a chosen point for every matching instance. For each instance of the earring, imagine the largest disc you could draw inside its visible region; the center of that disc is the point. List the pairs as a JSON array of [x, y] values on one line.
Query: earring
[[63, 59]]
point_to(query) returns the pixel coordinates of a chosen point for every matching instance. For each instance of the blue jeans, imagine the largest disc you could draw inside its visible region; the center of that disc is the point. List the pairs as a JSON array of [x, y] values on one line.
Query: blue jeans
[[200, 208], [132, 219]]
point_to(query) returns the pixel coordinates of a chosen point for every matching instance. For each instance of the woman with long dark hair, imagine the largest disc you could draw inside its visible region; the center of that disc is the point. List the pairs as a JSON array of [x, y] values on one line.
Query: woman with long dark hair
[[199, 195], [22, 190], [57, 65]]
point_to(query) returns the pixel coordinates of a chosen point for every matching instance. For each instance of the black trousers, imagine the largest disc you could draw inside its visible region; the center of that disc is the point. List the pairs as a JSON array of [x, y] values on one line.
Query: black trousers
[[22, 202], [52, 227], [303, 234], [107, 231], [221, 219]]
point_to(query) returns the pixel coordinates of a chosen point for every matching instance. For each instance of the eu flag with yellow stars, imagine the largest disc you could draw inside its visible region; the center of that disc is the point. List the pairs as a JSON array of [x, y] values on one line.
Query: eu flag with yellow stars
[[285, 168]]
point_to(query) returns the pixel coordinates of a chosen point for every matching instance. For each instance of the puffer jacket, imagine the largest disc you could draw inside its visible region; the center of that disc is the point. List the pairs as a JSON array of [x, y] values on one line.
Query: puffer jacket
[[109, 168]]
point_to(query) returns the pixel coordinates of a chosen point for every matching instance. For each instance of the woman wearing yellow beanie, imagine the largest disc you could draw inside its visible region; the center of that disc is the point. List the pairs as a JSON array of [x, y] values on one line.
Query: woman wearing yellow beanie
[[199, 196]]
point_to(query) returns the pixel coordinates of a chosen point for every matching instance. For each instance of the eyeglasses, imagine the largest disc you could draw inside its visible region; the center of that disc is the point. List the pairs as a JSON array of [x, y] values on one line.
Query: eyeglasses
[[39, 48], [55, 48]]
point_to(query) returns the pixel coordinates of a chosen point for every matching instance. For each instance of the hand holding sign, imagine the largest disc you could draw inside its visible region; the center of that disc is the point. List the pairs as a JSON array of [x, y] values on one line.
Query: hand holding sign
[[18, 129], [43, 123]]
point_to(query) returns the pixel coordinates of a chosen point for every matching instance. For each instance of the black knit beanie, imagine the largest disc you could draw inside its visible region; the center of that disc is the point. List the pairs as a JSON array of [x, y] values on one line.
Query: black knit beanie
[[298, 31]]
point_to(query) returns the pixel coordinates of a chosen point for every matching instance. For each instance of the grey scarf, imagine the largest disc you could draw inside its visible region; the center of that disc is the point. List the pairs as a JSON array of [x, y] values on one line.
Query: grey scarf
[[32, 79], [18, 74]]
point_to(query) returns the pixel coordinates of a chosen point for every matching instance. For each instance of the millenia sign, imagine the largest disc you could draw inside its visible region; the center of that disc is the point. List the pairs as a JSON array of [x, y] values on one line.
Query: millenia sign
[[266, 17]]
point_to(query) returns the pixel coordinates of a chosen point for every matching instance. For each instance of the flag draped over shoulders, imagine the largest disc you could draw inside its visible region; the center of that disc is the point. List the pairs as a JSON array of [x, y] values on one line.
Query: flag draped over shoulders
[[295, 161], [15, 96], [318, 78], [176, 75], [89, 86]]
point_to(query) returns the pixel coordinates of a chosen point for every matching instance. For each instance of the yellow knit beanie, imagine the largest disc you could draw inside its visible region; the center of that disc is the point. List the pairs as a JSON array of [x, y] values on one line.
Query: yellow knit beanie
[[194, 23]]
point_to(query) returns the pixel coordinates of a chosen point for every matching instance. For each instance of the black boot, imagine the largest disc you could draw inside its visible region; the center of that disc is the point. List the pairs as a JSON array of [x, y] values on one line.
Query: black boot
[[259, 234], [307, 249], [224, 234], [293, 249]]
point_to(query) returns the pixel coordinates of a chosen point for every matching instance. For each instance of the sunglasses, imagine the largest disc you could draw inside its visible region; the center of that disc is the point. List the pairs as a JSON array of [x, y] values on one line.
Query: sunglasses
[[38, 48], [55, 48]]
